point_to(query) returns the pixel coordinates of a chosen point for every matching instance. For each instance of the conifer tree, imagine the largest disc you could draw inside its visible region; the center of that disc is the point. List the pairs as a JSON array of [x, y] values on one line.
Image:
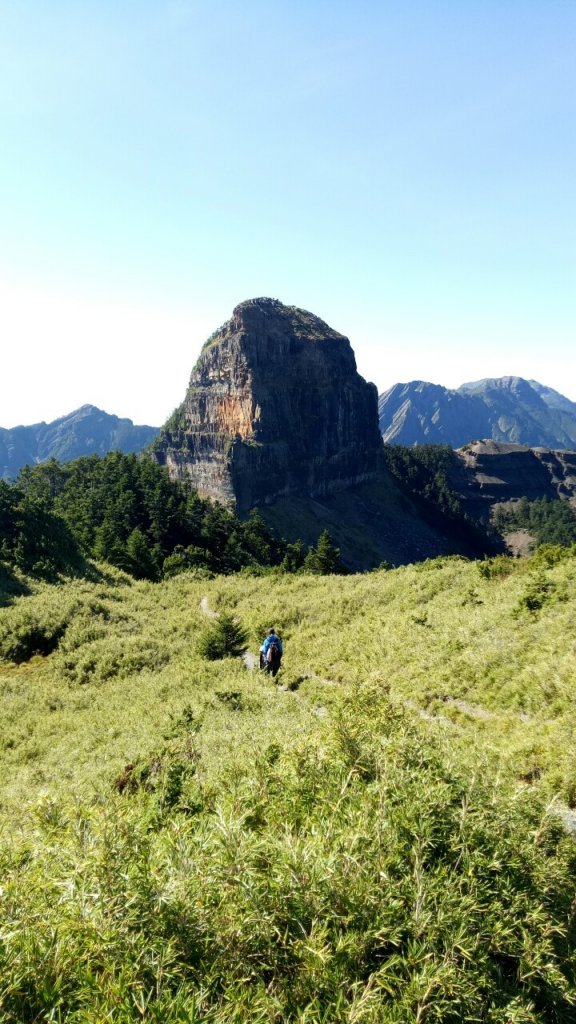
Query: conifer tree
[[325, 558], [142, 564]]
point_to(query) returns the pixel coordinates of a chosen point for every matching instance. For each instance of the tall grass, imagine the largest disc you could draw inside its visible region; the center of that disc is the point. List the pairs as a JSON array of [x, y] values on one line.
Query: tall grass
[[374, 839]]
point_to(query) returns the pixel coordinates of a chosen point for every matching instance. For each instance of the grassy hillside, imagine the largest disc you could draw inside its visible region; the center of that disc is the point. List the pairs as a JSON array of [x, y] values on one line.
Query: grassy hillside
[[382, 836]]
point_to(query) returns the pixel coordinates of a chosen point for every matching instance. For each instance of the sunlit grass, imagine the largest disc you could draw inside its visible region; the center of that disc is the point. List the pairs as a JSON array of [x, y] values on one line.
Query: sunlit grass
[[372, 839]]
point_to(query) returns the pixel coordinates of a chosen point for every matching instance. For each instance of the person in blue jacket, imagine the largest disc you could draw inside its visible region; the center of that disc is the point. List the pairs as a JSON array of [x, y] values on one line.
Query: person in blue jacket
[[273, 644]]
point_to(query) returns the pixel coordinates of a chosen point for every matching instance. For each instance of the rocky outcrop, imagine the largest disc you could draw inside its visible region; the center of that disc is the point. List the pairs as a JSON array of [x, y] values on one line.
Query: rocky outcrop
[[277, 416], [507, 409], [275, 407], [489, 472], [86, 431]]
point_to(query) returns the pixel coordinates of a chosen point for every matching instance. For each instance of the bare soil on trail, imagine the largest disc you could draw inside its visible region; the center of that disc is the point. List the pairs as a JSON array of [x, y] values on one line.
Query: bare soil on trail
[[206, 610], [519, 543]]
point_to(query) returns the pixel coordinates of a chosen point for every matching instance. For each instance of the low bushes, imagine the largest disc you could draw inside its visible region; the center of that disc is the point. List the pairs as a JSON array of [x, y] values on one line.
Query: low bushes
[[36, 627], [105, 658], [377, 876], [385, 851]]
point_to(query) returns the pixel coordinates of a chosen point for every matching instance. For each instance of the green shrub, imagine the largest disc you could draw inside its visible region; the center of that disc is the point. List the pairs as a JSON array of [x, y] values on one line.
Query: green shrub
[[33, 627], [28, 636], [224, 637], [98, 660], [497, 567], [548, 555], [538, 591]]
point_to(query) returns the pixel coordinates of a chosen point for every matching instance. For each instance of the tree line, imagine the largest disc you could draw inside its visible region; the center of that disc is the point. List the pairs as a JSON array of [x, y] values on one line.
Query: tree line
[[549, 521], [125, 510]]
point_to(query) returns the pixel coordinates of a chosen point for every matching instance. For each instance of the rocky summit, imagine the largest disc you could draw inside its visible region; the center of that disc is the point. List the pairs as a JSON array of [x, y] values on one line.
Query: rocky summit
[[275, 408]]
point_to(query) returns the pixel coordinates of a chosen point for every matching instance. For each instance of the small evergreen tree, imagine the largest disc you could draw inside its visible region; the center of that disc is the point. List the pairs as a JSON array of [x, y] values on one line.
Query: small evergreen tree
[[325, 558], [142, 564], [294, 557], [223, 638]]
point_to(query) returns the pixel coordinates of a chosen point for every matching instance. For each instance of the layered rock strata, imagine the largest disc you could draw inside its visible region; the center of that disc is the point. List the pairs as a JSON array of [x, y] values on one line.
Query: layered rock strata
[[489, 472], [275, 407]]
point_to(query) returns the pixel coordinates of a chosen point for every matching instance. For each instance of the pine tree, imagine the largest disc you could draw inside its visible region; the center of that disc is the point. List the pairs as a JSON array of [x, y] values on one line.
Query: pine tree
[[142, 564], [223, 638], [325, 558], [294, 557]]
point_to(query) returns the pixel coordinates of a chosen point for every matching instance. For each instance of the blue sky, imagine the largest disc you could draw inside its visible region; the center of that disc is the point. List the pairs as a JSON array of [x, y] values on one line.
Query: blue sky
[[404, 169]]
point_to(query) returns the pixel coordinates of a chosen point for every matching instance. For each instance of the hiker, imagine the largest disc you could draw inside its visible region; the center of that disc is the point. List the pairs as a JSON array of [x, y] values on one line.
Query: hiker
[[271, 652]]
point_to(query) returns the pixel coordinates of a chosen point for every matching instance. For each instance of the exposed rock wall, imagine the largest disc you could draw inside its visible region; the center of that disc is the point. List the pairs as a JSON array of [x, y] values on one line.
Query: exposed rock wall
[[275, 406], [489, 472]]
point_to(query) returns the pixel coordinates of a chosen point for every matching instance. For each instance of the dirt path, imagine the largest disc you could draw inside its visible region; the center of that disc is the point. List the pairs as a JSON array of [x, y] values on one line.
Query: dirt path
[[473, 710], [206, 610], [567, 817]]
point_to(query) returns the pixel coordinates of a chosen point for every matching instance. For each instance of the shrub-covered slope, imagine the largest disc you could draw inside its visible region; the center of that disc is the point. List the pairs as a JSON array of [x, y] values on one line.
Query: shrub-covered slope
[[385, 836]]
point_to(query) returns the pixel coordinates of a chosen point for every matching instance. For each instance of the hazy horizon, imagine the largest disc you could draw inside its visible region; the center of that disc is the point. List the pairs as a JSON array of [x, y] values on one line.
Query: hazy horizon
[[121, 415]]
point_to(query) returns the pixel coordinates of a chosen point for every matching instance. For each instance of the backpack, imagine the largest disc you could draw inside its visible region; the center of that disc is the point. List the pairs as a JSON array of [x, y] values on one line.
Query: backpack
[[273, 652]]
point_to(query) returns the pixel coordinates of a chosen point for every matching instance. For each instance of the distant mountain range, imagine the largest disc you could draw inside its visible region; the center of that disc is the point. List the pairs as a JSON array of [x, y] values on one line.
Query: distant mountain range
[[504, 409], [508, 409], [86, 431]]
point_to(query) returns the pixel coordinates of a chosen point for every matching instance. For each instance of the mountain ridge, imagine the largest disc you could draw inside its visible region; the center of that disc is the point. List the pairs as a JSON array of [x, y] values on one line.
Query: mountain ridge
[[507, 409], [87, 430]]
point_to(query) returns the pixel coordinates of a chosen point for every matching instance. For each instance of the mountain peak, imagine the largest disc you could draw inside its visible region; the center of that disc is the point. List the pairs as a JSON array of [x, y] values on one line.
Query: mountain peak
[[85, 431], [515, 385], [275, 406], [507, 409]]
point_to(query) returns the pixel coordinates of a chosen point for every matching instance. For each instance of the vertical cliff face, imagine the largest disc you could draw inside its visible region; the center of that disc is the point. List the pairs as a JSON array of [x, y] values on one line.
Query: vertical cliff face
[[489, 472], [275, 407]]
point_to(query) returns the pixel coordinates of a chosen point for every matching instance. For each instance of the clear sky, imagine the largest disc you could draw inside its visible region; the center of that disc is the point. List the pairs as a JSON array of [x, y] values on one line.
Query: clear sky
[[405, 169]]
